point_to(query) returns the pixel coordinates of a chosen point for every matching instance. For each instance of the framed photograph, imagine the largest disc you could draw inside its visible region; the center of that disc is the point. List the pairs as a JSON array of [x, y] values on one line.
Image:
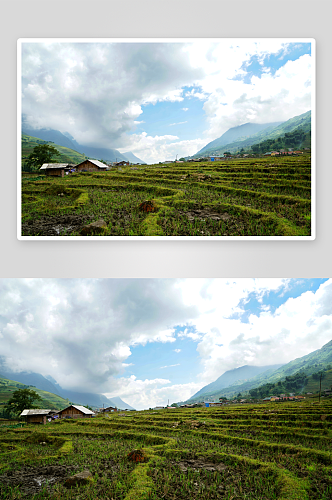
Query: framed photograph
[[163, 139]]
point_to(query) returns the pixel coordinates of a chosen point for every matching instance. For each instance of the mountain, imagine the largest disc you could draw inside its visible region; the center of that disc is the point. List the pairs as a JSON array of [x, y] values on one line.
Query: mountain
[[321, 359], [239, 133], [132, 158], [49, 400], [66, 140], [121, 404], [50, 385], [271, 131], [231, 377]]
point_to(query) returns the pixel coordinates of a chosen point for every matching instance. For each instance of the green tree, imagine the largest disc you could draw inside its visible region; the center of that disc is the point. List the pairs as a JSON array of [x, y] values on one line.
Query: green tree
[[22, 399], [175, 405], [40, 154]]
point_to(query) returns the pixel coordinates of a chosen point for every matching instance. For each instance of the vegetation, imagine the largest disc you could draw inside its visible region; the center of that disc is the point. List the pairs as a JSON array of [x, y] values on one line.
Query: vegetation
[[296, 139], [252, 452], [245, 197], [9, 387], [21, 399], [40, 154], [63, 154]]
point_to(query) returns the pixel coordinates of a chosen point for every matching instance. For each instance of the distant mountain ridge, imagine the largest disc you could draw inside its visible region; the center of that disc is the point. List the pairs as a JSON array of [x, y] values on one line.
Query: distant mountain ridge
[[49, 384], [238, 133], [310, 363], [232, 376], [236, 142], [51, 135]]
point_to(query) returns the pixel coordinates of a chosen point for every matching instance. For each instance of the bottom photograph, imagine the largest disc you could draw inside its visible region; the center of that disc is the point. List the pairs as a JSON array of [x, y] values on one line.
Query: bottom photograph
[[135, 389]]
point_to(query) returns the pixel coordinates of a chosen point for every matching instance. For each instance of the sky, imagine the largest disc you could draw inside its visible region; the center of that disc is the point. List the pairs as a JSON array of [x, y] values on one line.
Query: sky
[[162, 100], [150, 341]]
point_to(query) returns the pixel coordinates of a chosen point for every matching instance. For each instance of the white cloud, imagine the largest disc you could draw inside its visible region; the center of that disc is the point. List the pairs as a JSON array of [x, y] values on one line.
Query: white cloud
[[178, 123], [170, 366], [177, 350]]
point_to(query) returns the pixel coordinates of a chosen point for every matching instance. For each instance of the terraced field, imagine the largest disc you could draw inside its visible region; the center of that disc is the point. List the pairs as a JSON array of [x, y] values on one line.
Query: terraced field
[[257, 452], [255, 197]]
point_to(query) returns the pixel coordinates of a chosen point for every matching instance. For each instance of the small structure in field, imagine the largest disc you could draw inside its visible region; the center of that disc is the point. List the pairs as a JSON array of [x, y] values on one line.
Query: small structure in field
[[75, 411], [36, 416], [109, 409], [91, 166], [121, 163], [57, 169]]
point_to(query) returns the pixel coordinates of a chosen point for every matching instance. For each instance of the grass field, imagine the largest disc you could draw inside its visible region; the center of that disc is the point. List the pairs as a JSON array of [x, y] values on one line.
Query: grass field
[[252, 197], [257, 452]]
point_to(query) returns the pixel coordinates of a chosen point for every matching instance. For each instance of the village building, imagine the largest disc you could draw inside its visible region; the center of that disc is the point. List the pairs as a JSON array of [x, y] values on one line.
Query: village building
[[76, 411], [121, 163], [57, 169], [109, 409], [36, 416], [91, 166]]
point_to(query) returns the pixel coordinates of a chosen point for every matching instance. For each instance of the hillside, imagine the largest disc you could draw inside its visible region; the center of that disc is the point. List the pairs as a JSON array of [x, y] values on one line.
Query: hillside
[[66, 155], [50, 385], [272, 133], [239, 133], [311, 363], [232, 377], [300, 382], [119, 403], [49, 400], [67, 141]]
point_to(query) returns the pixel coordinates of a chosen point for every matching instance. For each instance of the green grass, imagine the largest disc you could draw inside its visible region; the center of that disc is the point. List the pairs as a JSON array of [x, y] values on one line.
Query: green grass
[[244, 451], [234, 198]]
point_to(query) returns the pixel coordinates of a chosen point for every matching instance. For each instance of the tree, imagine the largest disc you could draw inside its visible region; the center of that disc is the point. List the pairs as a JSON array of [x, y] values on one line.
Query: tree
[[22, 399], [40, 154], [175, 405], [182, 159]]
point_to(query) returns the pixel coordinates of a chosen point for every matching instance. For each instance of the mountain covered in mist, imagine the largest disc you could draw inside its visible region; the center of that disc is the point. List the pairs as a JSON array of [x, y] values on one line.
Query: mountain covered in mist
[[246, 135], [317, 360], [49, 384]]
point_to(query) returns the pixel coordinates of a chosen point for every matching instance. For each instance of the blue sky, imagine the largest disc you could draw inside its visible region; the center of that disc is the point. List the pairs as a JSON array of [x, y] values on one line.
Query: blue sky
[[163, 99]]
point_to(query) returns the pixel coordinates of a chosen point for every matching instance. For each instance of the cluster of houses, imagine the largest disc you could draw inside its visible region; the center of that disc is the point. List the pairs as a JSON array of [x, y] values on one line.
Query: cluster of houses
[[281, 152], [38, 416], [62, 169]]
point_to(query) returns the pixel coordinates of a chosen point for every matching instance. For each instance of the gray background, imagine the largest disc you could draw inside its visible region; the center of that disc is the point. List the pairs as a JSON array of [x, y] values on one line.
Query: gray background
[[178, 19]]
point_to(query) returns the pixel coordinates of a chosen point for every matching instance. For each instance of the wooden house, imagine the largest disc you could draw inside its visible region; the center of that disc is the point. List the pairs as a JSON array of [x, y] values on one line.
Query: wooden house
[[121, 163], [109, 409], [75, 411], [91, 166], [57, 169], [36, 416]]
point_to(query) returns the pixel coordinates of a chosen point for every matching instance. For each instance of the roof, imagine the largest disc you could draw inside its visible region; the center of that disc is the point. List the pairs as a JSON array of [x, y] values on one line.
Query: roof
[[55, 165], [34, 412], [84, 410], [95, 162]]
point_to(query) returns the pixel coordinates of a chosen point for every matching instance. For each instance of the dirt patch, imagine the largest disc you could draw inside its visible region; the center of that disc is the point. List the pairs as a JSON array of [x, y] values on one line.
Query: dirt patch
[[205, 214], [32, 479], [54, 225], [200, 464]]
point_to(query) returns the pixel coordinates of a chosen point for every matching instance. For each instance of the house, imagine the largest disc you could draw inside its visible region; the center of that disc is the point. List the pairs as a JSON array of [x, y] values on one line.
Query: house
[[158, 408], [91, 166], [121, 163], [36, 416], [109, 409], [274, 398], [75, 411], [57, 169]]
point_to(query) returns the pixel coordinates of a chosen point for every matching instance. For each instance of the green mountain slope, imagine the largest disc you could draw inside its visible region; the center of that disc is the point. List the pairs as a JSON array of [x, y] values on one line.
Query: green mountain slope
[[311, 363], [49, 400], [303, 121], [66, 155], [231, 377], [240, 133]]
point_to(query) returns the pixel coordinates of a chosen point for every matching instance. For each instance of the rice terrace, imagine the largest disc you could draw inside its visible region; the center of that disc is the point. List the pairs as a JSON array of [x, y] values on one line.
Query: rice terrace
[[258, 452], [262, 196]]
